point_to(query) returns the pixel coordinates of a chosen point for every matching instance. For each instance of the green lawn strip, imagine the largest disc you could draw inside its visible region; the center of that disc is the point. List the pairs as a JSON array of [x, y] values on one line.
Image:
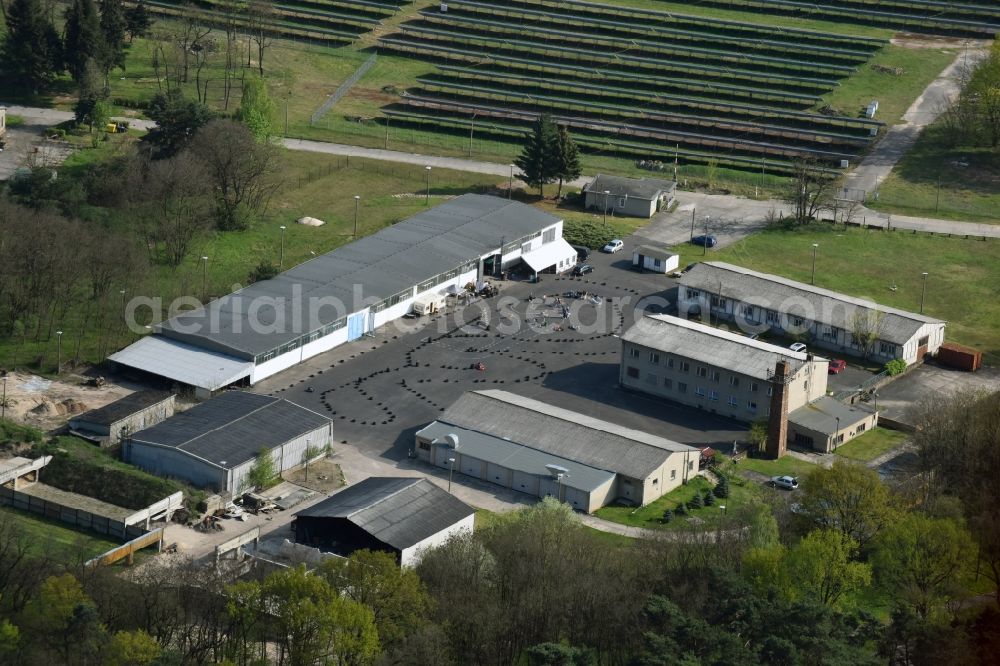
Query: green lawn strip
[[964, 274], [872, 444], [895, 94], [486, 518], [785, 466], [58, 539], [741, 493], [936, 179]]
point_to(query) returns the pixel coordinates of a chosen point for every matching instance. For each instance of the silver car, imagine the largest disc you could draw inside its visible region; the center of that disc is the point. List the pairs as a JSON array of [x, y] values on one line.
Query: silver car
[[785, 482]]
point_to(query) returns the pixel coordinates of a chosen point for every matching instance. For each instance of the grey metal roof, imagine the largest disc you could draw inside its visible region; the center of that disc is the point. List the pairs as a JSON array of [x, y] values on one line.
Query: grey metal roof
[[783, 295], [561, 432], [821, 415], [183, 363], [639, 188], [232, 428], [711, 346], [398, 511], [655, 252], [123, 407], [377, 267], [518, 457]]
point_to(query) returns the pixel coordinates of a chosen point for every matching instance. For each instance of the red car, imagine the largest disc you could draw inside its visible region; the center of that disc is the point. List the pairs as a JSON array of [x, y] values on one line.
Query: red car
[[837, 366]]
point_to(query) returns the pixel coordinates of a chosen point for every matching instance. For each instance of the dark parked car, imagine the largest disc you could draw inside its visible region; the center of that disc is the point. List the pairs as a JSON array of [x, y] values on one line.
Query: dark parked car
[[581, 252], [582, 269], [706, 241]]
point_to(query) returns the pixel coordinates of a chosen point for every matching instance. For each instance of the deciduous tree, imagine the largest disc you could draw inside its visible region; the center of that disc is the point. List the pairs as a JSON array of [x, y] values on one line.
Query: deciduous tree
[[867, 327], [177, 121], [821, 567], [256, 109], [849, 498]]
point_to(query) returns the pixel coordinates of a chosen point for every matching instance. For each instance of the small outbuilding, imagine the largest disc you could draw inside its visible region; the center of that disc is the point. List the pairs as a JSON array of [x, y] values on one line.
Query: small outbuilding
[[825, 423], [215, 444], [635, 197], [657, 260], [109, 424], [400, 515]]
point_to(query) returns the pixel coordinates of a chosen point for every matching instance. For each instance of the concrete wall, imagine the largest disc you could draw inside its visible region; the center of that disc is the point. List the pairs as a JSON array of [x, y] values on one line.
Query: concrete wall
[[411, 556], [736, 395]]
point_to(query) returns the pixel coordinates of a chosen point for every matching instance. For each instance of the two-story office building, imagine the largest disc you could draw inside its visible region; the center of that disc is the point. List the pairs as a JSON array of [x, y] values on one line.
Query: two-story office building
[[758, 302]]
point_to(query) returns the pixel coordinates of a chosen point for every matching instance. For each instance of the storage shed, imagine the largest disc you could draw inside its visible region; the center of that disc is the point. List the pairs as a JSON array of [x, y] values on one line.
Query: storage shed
[[109, 424], [214, 444], [400, 515], [649, 258]]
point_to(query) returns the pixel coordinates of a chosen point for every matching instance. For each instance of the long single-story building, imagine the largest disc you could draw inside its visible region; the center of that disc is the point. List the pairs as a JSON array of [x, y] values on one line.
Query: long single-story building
[[543, 450], [345, 294], [109, 424], [400, 515], [636, 197], [760, 301], [215, 443], [745, 379]]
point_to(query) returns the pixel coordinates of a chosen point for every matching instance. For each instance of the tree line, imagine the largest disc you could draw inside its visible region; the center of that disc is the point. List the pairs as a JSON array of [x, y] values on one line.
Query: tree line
[[973, 117], [855, 571]]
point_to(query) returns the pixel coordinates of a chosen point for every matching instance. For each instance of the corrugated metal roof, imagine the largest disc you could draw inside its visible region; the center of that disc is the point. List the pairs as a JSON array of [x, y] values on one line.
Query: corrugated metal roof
[[783, 295], [377, 267], [711, 346], [561, 432], [123, 407], [398, 511], [821, 415], [183, 363], [518, 457], [619, 186], [232, 428]]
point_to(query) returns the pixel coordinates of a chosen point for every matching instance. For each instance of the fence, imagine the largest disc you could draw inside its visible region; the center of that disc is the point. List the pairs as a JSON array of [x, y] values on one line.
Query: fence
[[128, 550], [67, 514], [343, 89]]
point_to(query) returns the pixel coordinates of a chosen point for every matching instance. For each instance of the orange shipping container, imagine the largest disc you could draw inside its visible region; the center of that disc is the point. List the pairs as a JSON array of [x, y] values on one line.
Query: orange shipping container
[[960, 357]]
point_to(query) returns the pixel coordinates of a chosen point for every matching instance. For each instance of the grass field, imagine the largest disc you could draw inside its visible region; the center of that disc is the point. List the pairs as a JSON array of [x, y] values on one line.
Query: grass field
[[57, 539], [938, 180], [872, 444], [963, 280], [786, 465], [742, 492]]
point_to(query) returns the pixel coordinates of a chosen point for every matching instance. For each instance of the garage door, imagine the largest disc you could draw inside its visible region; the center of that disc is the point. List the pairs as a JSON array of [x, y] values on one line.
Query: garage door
[[548, 486], [577, 499], [525, 483], [497, 474], [471, 467]]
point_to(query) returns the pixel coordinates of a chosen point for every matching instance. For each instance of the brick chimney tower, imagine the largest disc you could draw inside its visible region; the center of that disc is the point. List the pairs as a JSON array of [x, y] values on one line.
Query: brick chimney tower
[[777, 424]]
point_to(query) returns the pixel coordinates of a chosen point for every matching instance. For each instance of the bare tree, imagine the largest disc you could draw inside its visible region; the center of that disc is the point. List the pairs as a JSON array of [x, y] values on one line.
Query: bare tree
[[176, 203], [867, 326], [230, 13], [811, 191], [241, 171], [260, 15]]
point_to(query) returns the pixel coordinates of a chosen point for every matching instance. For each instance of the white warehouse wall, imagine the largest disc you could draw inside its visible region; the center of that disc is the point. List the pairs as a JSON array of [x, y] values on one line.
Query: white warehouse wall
[[411, 556]]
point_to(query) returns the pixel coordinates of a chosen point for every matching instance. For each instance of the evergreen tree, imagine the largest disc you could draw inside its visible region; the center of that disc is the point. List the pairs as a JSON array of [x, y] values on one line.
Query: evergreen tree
[[722, 487], [569, 158], [32, 53], [113, 26], [707, 498], [82, 38], [695, 502], [539, 163], [137, 21]]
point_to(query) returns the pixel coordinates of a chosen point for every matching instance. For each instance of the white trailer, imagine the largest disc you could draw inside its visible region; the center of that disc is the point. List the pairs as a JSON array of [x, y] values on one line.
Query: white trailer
[[428, 304]]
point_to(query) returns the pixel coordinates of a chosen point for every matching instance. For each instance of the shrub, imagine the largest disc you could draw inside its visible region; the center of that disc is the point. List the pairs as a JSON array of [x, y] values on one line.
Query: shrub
[[696, 502], [707, 498], [721, 489], [895, 366], [681, 510], [668, 515]]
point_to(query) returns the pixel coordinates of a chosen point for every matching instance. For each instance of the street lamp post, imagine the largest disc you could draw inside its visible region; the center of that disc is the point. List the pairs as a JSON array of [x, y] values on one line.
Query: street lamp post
[[427, 201], [693, 212], [923, 292], [357, 203], [607, 193], [559, 478], [58, 351], [287, 98], [836, 436], [510, 184], [3, 401], [204, 278], [122, 292], [704, 245], [281, 248], [472, 128], [812, 280], [451, 472]]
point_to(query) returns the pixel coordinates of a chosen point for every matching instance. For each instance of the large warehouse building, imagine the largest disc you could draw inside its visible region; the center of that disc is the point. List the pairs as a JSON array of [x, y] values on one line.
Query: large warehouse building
[[342, 295], [825, 318], [399, 515], [539, 449], [215, 443]]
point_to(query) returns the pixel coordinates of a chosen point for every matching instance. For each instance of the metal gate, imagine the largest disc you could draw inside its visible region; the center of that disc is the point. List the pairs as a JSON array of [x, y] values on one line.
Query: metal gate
[[356, 325]]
